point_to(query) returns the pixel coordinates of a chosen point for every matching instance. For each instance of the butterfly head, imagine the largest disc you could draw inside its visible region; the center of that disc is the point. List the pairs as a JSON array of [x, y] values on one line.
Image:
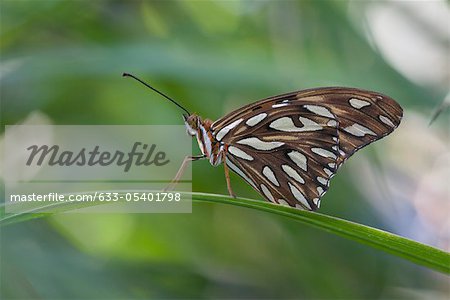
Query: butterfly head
[[192, 123]]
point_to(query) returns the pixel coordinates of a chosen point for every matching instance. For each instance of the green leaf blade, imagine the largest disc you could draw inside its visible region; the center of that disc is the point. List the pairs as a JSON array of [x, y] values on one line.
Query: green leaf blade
[[413, 251]]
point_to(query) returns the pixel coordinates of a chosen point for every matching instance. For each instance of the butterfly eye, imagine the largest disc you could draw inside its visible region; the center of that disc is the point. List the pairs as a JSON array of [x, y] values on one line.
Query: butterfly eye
[[190, 131]]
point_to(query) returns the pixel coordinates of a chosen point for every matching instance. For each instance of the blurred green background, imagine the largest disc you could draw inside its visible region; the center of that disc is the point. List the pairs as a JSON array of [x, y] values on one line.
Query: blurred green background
[[61, 63]]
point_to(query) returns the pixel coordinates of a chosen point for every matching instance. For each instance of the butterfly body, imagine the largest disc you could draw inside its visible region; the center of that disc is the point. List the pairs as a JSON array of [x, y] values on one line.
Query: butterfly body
[[209, 146], [288, 147]]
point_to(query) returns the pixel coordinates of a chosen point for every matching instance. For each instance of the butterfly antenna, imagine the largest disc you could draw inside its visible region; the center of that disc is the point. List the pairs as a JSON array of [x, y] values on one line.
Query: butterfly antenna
[[155, 90]]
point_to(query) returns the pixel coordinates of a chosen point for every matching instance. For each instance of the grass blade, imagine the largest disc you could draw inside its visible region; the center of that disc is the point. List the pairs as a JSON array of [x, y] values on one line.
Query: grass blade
[[418, 253]]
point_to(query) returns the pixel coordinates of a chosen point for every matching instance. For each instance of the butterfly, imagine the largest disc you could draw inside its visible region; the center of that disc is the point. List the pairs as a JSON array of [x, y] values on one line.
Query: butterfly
[[288, 147]]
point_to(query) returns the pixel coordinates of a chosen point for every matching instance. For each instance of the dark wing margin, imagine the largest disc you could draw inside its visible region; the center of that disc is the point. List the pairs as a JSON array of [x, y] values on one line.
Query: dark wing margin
[[364, 116]]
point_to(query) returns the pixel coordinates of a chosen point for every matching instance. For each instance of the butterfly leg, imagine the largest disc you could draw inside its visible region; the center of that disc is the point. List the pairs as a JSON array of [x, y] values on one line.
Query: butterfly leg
[[181, 170], [227, 175]]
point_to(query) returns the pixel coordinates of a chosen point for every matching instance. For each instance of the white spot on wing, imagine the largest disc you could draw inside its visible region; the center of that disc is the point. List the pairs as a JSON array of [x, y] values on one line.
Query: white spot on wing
[[267, 171], [256, 119], [358, 130], [267, 193], [358, 103], [299, 196], [322, 180], [240, 173], [286, 124], [299, 159], [292, 173], [332, 123], [260, 145], [239, 153], [283, 124], [316, 201], [283, 202], [328, 172], [320, 190], [222, 132], [386, 121], [309, 125], [279, 105], [319, 110], [323, 152]]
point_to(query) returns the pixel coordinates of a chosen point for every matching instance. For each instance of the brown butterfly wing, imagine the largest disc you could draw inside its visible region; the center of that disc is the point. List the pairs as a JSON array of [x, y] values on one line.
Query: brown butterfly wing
[[363, 116], [322, 127], [286, 166]]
